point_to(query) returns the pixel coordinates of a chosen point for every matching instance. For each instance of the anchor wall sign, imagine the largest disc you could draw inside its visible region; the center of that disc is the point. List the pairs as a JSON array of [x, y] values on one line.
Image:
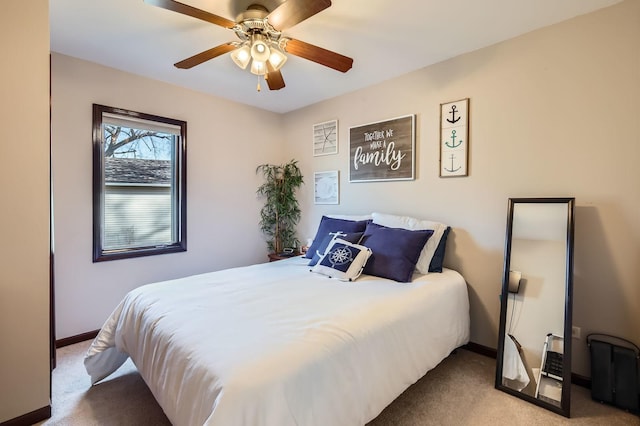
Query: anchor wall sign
[[454, 138]]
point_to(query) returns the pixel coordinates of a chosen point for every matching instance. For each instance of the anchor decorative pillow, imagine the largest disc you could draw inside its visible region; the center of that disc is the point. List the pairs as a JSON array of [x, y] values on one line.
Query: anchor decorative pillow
[[343, 260], [352, 237]]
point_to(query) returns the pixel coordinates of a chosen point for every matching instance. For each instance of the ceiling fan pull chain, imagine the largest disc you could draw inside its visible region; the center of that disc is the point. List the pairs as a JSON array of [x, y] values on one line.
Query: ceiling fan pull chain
[[258, 87]]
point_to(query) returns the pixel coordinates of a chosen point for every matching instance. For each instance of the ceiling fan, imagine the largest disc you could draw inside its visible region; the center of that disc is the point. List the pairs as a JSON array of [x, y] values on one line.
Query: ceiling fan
[[261, 40]]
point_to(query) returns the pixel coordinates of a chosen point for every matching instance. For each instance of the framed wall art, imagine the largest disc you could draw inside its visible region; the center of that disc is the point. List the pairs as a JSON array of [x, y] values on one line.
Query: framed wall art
[[325, 138], [384, 150], [454, 138], [326, 187]]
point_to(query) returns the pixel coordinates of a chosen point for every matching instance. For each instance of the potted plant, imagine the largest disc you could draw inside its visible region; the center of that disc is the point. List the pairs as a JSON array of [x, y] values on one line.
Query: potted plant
[[280, 213]]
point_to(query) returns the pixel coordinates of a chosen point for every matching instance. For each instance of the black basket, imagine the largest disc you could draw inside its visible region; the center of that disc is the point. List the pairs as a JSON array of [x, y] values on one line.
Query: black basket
[[615, 377]]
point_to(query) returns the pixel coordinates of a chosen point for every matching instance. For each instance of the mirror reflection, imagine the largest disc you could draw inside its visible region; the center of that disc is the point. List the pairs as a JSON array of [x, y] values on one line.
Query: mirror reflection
[[535, 302]]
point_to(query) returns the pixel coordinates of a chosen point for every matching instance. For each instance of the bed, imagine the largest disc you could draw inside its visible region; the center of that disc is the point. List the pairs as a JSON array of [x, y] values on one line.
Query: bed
[[273, 344]]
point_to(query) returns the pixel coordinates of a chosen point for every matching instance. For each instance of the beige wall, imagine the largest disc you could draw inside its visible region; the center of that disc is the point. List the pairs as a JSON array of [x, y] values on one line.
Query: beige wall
[[225, 143], [24, 188], [552, 113]]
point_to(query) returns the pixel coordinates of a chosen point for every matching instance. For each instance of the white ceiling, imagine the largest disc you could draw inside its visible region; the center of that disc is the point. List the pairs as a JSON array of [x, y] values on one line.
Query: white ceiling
[[385, 38]]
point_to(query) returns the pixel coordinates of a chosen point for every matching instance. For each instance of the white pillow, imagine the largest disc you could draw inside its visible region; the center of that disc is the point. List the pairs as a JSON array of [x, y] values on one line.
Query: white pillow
[[343, 260], [413, 224]]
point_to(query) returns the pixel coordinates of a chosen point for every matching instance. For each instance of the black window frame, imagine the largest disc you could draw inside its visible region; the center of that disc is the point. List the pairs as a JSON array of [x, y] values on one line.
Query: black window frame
[[180, 245]]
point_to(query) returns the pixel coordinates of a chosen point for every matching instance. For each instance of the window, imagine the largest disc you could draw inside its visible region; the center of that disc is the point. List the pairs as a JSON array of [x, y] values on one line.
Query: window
[[139, 184]]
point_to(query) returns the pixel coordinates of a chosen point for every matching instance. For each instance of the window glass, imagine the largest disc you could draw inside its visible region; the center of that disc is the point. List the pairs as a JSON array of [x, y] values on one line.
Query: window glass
[[139, 184]]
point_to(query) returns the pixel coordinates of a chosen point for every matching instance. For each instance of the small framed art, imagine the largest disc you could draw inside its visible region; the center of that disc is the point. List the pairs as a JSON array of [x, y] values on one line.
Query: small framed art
[[326, 187], [454, 138], [325, 138]]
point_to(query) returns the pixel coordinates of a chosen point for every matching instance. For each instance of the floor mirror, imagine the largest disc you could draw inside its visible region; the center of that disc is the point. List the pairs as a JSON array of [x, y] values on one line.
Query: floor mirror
[[534, 342]]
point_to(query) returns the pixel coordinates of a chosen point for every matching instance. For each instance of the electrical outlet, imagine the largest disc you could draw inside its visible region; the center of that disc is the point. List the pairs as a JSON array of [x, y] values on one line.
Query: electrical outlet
[[575, 332]]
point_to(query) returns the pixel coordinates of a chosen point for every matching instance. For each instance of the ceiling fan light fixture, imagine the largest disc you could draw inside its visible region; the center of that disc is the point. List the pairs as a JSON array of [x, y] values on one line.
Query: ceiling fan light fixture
[[277, 59], [259, 49], [241, 56], [258, 67]]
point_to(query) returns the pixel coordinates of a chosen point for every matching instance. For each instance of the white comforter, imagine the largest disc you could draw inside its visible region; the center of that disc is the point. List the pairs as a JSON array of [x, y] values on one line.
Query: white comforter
[[274, 344]]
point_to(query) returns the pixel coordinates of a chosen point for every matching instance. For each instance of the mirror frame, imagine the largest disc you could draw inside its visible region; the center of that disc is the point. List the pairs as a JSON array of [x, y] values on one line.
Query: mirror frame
[[565, 403]]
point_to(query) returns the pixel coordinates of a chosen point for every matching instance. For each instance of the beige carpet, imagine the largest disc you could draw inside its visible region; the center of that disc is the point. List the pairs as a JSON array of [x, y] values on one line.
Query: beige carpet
[[457, 392]]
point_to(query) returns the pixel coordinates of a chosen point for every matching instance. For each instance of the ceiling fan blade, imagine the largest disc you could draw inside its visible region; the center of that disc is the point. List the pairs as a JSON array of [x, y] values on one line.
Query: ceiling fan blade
[[274, 78], [317, 54], [205, 56], [192, 11], [292, 12]]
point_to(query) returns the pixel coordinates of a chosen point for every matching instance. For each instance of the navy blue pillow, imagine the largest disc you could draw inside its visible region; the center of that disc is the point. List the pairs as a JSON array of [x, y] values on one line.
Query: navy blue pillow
[[352, 237], [438, 255], [395, 251], [330, 224]]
